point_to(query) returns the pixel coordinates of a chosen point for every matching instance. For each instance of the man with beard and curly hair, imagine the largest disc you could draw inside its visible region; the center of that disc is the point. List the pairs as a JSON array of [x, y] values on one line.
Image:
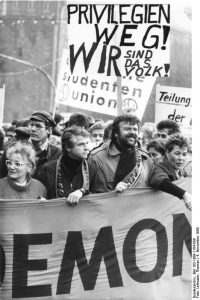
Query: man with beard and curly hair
[[121, 164]]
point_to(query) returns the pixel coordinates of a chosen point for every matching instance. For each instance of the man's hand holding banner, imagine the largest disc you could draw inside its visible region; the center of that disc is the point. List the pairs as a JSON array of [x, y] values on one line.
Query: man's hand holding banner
[[131, 245]]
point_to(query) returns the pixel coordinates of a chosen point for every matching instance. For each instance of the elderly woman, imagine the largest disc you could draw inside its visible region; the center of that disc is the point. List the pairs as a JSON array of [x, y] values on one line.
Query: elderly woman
[[20, 162], [171, 169]]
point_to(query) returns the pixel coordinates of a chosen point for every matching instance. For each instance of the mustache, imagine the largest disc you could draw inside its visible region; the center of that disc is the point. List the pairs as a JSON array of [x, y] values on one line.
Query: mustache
[[133, 135]]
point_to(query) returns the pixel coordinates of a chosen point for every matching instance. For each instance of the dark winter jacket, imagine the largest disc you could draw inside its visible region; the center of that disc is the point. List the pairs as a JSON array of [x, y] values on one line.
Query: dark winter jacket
[[106, 159], [48, 175], [163, 176]]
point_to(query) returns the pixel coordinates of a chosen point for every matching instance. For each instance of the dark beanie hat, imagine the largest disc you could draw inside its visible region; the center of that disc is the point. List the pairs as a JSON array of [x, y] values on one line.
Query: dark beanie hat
[[43, 116]]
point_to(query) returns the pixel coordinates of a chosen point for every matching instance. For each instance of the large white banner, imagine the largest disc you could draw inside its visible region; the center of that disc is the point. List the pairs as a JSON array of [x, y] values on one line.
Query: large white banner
[[134, 245]]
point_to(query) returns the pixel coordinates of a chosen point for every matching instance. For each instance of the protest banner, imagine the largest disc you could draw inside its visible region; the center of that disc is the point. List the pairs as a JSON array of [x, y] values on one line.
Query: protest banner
[[174, 103], [99, 94], [136, 245], [2, 99], [119, 39]]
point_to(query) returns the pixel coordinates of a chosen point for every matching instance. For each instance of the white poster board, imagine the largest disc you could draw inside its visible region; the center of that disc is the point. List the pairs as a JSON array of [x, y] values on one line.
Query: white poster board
[[119, 39], [174, 103]]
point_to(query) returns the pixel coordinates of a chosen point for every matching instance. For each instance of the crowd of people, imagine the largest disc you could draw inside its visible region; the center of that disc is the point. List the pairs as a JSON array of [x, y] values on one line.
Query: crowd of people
[[45, 157]]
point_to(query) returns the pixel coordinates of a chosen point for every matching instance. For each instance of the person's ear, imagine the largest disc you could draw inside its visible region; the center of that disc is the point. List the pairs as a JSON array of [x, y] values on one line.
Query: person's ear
[[167, 153], [30, 168], [116, 134], [49, 130], [67, 148]]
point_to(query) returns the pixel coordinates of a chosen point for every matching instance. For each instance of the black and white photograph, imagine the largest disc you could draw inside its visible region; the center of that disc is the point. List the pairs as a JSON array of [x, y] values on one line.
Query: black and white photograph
[[96, 155]]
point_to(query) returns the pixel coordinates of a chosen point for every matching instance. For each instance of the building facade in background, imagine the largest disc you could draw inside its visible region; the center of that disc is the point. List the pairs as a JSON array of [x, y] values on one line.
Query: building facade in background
[[29, 31]]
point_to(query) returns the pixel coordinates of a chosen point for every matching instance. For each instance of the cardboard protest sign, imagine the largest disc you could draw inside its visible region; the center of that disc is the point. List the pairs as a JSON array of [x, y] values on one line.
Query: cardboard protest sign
[[99, 94], [119, 39], [136, 243], [2, 99], [174, 103]]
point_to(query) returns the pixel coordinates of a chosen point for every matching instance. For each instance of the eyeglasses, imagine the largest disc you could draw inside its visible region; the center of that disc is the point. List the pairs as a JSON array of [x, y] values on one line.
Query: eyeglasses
[[161, 135], [36, 125], [16, 164], [153, 155]]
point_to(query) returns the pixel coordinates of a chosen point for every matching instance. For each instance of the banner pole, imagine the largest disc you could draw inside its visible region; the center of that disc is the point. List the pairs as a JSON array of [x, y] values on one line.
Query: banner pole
[[119, 82], [119, 95]]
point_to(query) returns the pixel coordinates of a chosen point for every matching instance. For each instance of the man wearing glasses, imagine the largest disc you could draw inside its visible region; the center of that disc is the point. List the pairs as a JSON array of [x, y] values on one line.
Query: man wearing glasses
[[41, 124]]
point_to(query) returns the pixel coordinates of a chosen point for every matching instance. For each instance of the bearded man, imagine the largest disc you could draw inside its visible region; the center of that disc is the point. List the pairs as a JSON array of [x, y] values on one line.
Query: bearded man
[[121, 164]]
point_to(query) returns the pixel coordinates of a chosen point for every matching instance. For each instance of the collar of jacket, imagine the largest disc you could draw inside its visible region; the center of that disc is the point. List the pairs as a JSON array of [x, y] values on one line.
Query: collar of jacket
[[42, 147], [176, 173], [85, 174], [113, 151]]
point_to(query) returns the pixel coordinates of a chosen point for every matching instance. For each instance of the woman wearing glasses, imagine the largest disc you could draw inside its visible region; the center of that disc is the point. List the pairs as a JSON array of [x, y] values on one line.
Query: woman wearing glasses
[[20, 162]]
